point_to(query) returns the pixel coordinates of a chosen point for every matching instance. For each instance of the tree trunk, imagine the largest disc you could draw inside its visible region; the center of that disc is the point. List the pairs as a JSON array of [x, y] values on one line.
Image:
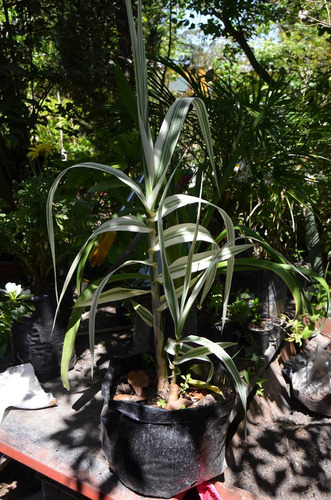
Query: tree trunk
[[239, 37]]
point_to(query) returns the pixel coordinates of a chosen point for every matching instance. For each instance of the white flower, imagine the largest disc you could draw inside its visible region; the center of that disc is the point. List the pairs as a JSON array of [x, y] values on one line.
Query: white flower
[[268, 179], [243, 170], [13, 288], [303, 14], [311, 179]]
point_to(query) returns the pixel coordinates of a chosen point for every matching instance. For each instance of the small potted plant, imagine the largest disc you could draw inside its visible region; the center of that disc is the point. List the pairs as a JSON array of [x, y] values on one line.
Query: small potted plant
[[245, 313], [15, 304], [307, 325]]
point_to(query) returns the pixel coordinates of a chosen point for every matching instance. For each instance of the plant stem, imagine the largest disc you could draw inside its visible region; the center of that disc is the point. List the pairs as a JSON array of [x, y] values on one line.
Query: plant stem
[[161, 362]]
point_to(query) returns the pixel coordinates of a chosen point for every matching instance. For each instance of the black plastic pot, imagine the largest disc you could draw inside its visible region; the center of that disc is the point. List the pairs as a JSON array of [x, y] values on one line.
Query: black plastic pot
[[267, 285], [33, 340], [262, 333], [273, 295], [161, 453]]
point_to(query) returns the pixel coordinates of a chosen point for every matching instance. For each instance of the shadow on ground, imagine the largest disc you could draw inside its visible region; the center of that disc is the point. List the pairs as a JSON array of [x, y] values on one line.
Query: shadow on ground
[[286, 459]]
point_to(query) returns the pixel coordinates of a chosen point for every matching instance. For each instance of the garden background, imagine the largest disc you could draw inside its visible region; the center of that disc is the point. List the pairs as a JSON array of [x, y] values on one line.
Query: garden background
[[66, 78]]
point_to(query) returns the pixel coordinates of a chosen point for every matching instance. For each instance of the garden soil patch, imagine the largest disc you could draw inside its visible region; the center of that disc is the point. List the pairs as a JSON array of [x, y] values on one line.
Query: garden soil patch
[[287, 451], [287, 458]]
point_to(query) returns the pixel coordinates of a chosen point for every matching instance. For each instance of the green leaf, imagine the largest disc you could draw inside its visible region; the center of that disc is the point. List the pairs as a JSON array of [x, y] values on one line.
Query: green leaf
[[184, 233], [68, 344], [139, 59], [285, 271], [49, 215], [144, 313], [222, 355], [95, 301], [116, 293], [202, 260], [126, 94]]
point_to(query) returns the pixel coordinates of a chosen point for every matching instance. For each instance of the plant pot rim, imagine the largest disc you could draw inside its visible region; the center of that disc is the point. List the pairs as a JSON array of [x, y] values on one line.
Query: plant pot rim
[[156, 415]]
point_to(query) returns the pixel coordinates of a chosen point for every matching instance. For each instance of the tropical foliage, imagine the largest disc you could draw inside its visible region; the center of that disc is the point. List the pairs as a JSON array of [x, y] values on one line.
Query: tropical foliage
[[186, 272], [67, 81]]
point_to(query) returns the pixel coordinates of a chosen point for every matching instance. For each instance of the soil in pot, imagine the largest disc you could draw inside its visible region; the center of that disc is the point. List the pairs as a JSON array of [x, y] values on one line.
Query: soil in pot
[[157, 452]]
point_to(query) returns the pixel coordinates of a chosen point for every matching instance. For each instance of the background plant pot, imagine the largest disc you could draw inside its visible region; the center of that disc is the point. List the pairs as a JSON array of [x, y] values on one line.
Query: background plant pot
[[273, 294], [267, 286], [161, 453], [262, 333], [33, 340]]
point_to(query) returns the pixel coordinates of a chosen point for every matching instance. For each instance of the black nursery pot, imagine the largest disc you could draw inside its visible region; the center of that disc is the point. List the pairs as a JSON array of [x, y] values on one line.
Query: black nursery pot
[[161, 453], [33, 340], [262, 335]]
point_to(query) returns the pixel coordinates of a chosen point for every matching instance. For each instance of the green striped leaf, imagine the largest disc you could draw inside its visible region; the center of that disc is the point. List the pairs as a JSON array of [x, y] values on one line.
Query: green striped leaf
[[95, 302], [139, 59], [184, 233], [144, 313], [114, 294], [203, 260], [223, 356], [49, 215], [69, 343]]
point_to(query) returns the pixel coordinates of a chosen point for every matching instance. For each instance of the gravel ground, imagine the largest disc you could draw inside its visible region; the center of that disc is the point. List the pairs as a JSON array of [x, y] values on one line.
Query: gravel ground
[[287, 458], [287, 452]]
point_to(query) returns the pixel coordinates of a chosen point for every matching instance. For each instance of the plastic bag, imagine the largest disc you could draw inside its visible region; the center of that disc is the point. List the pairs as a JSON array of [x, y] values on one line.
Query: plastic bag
[[311, 380], [20, 388]]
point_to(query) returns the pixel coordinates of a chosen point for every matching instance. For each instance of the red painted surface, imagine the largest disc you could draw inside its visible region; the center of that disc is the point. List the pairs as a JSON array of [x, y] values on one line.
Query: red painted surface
[[326, 330]]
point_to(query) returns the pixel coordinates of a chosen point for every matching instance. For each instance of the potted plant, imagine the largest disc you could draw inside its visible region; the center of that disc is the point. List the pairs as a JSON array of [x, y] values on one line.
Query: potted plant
[[246, 314], [24, 238], [154, 451], [180, 273], [15, 304]]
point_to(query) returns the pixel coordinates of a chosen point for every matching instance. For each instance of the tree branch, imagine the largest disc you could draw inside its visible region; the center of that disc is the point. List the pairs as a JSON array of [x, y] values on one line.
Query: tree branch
[[239, 37], [241, 40]]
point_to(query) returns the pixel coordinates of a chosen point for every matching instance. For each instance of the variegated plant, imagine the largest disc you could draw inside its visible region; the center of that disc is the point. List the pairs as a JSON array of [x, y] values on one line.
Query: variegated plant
[[176, 285]]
